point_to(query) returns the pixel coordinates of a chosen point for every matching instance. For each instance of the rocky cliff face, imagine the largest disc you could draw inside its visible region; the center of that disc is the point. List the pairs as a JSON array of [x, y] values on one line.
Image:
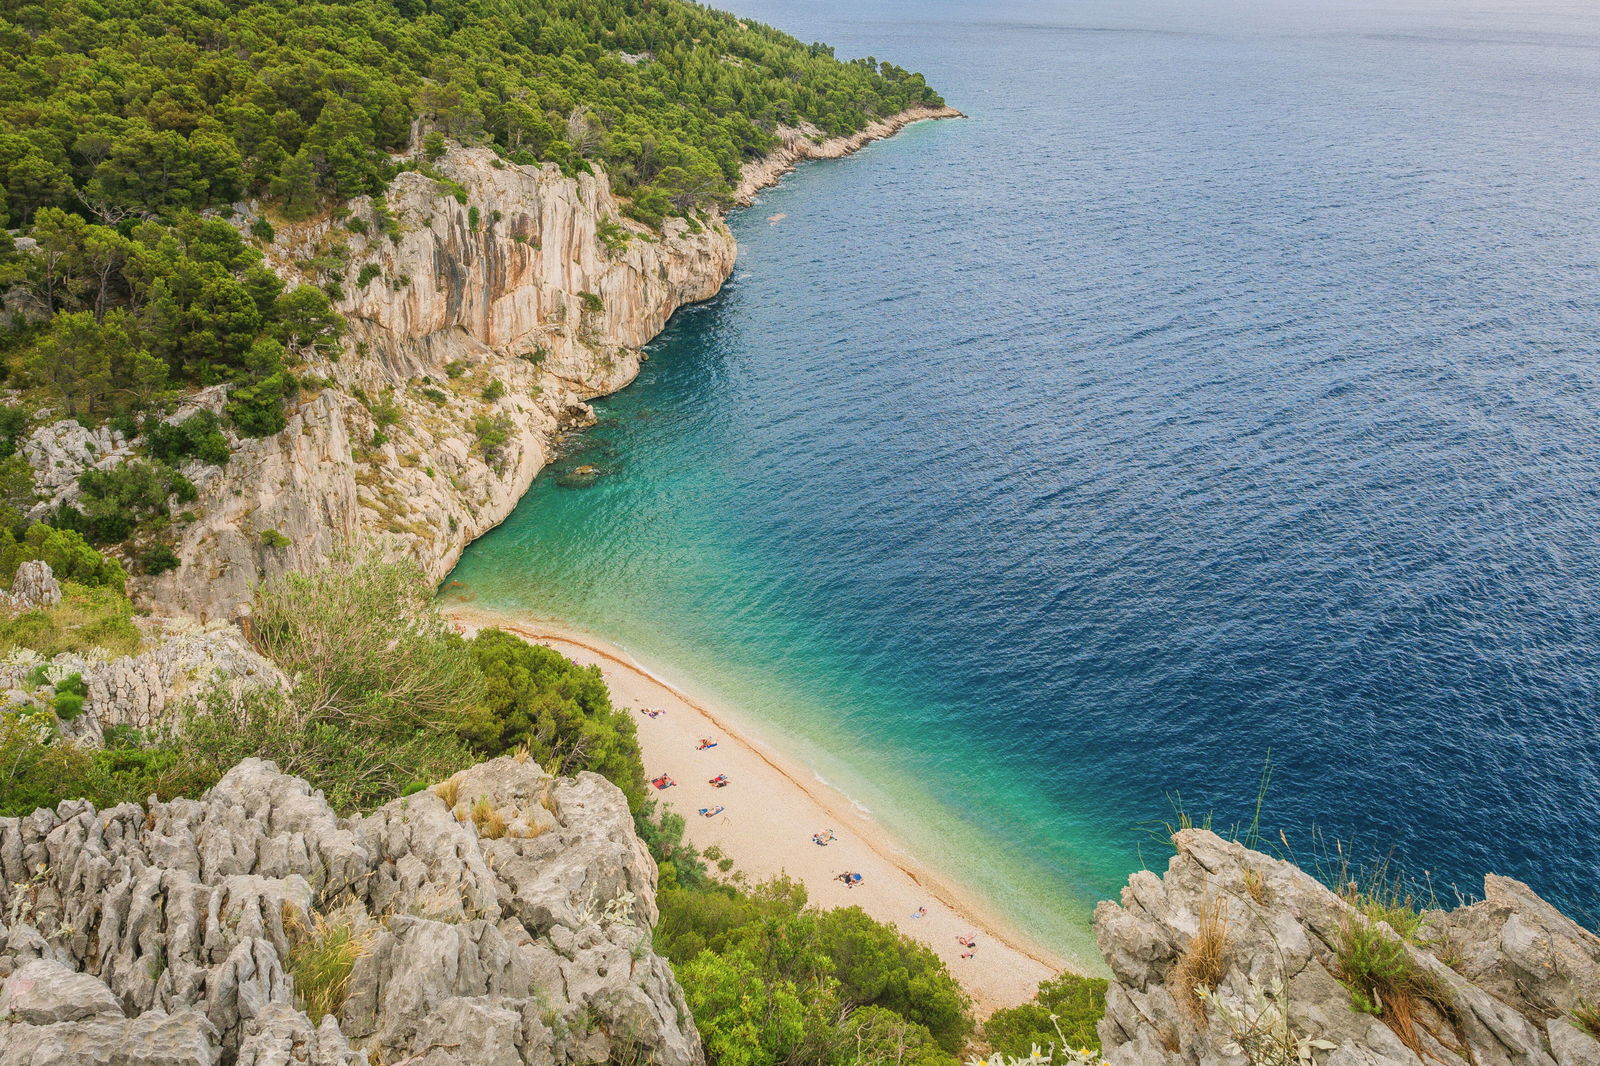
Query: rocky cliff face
[[1491, 984], [479, 330], [505, 924]]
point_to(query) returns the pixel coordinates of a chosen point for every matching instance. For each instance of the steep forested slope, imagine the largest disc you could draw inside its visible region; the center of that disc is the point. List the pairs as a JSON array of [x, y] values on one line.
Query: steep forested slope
[[134, 106], [130, 128]]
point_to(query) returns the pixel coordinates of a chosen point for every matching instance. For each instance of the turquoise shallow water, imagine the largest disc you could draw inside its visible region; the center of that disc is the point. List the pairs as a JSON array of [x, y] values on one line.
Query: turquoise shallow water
[[1226, 382]]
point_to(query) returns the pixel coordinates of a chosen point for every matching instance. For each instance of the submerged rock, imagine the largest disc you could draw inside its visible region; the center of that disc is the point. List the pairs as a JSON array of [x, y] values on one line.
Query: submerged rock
[[507, 928]]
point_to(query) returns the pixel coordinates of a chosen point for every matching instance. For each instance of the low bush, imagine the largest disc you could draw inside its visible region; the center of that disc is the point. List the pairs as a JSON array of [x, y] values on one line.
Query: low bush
[[804, 972], [1066, 1009], [1383, 978], [197, 437], [559, 711], [69, 556]]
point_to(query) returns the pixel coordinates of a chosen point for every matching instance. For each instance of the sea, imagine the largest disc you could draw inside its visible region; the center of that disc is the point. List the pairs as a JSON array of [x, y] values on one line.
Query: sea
[[1204, 430]]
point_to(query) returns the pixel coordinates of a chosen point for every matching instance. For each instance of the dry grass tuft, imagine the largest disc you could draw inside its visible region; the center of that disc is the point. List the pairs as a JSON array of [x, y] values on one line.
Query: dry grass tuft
[[322, 959], [521, 754], [491, 826], [1255, 883], [449, 791], [1586, 1016], [1204, 961]]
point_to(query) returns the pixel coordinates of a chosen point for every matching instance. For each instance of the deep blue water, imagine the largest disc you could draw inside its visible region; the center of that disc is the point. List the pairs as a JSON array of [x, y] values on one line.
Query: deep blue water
[[1230, 380]]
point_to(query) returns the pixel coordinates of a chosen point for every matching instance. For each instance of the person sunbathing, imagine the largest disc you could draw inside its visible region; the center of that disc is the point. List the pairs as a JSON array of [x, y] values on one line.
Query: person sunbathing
[[663, 782], [851, 880], [720, 781], [705, 742], [711, 812]]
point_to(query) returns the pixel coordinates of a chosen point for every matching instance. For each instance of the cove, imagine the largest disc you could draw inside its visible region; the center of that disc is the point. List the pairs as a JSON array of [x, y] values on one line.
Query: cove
[[1226, 383]]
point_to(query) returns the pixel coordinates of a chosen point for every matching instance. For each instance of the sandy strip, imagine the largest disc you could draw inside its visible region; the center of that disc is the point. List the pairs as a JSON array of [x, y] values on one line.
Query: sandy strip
[[775, 804]]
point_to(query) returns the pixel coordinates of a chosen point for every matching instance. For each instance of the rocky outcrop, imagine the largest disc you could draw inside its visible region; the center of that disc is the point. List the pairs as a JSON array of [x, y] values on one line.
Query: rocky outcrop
[[505, 924], [60, 451], [477, 330], [182, 660], [34, 588], [1494, 983], [797, 144]]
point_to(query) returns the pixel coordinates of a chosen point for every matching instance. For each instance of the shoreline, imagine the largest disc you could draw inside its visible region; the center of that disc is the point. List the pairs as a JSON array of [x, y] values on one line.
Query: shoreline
[[800, 146], [773, 836]]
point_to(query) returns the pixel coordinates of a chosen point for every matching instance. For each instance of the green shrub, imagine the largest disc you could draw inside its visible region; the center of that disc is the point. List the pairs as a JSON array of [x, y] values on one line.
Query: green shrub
[[433, 146], [382, 683], [273, 539], [832, 961], [560, 711], [368, 272], [388, 225], [158, 559], [1075, 1004], [356, 224], [494, 391], [70, 557], [455, 368], [125, 498], [256, 410], [591, 302], [42, 769], [493, 433], [197, 437], [1383, 979], [67, 703], [614, 236], [262, 231]]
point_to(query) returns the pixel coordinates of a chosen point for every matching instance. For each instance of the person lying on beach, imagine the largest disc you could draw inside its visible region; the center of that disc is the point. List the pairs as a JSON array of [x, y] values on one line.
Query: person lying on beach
[[851, 880], [822, 839], [711, 812], [720, 781], [651, 712], [920, 912], [705, 742], [663, 782], [968, 941]]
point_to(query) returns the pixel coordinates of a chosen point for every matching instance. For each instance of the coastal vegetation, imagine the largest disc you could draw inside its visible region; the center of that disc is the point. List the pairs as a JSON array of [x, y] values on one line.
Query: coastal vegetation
[[386, 698], [1063, 1015]]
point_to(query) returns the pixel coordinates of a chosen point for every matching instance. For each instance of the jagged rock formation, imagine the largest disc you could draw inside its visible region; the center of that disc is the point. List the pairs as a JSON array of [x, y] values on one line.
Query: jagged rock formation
[[34, 587], [507, 928], [60, 451], [1517, 969], [536, 283], [181, 660]]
